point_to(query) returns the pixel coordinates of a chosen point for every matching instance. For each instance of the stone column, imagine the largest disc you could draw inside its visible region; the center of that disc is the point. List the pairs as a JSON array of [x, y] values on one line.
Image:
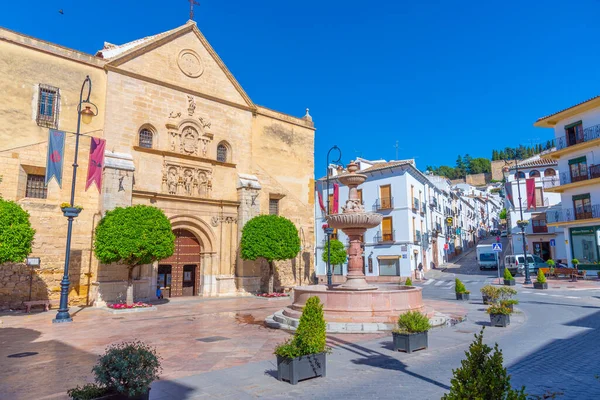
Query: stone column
[[117, 180], [248, 189]]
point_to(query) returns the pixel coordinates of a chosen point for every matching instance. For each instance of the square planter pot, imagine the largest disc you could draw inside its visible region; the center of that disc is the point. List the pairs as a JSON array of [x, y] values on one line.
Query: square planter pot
[[463, 296], [510, 307], [409, 342], [486, 300], [298, 369], [500, 320], [509, 282], [537, 285]]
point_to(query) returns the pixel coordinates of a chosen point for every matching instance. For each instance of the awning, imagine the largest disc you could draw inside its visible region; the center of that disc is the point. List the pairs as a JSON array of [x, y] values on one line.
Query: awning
[[388, 257]]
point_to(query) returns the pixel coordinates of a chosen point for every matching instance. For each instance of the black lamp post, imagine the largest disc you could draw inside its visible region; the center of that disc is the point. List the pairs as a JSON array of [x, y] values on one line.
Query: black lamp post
[[85, 114], [521, 223], [328, 230]]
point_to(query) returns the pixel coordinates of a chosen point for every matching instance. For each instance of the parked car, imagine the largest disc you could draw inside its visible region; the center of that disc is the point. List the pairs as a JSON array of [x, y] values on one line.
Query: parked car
[[516, 263], [504, 233]]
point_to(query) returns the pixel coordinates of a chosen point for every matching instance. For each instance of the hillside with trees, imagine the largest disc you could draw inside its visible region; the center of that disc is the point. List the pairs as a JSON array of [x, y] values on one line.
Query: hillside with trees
[[467, 165]]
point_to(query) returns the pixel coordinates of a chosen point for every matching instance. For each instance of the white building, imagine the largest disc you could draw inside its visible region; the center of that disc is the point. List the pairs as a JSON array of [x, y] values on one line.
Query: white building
[[540, 239], [577, 139], [412, 211]]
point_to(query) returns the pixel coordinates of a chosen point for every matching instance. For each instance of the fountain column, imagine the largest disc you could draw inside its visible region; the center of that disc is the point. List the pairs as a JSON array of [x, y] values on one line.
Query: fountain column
[[354, 221]]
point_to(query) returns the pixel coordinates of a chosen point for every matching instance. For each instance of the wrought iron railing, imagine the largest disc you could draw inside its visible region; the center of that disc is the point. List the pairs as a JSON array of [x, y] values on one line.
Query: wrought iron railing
[[550, 181], [423, 208], [385, 236], [589, 133], [539, 229], [425, 239], [384, 203], [433, 202], [415, 204], [573, 214], [417, 238], [592, 172]]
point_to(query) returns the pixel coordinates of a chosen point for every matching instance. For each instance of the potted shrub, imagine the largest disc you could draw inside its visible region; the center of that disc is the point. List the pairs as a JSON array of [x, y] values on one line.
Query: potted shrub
[[69, 211], [461, 291], [411, 332], [490, 294], [124, 372], [508, 278], [575, 263], [551, 264], [541, 281], [305, 355], [509, 303], [499, 315], [408, 282]]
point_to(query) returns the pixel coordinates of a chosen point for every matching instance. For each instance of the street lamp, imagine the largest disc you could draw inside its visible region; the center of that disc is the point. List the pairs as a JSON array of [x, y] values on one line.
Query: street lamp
[[328, 230], [521, 223], [85, 115]]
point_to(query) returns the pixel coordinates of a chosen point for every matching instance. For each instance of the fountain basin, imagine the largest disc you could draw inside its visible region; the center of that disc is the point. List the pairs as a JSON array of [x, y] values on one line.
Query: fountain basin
[[354, 220], [383, 305]]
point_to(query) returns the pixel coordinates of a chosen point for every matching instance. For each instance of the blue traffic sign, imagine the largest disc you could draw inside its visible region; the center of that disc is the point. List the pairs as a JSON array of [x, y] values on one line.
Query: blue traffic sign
[[497, 246], [553, 242]]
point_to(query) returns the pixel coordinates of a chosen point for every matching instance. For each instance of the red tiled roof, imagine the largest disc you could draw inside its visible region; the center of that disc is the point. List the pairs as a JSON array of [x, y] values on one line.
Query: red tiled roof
[[538, 162]]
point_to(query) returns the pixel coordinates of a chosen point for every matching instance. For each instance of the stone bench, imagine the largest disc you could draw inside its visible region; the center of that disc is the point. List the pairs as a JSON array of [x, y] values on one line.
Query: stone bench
[[46, 303]]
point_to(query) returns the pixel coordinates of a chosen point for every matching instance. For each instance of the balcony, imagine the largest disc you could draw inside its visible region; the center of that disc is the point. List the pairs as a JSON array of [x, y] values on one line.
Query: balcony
[[433, 202], [550, 182], [590, 133], [384, 203], [415, 204], [539, 229], [571, 214], [425, 239], [417, 237], [385, 237], [423, 208], [566, 178]]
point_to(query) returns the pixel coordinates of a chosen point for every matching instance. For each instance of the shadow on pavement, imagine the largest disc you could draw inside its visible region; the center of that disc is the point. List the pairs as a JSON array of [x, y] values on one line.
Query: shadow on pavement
[[566, 365], [376, 359], [557, 304]]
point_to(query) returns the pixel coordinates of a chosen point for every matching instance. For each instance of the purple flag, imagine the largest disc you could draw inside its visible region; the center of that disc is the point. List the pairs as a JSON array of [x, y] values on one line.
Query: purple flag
[[96, 163], [56, 153]]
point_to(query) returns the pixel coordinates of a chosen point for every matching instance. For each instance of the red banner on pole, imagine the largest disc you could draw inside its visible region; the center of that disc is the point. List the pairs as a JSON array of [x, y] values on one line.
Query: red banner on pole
[[319, 188], [336, 198], [530, 189], [96, 163]]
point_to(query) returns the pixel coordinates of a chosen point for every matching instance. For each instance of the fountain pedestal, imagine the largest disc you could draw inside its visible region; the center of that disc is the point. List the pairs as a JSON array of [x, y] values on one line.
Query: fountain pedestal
[[355, 279]]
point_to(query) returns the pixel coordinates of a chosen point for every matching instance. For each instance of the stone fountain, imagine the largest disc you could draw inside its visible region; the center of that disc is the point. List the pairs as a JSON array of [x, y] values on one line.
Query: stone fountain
[[354, 306]]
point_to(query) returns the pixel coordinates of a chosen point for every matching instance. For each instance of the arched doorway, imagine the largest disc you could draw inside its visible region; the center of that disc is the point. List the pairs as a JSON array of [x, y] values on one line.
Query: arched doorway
[[179, 275]]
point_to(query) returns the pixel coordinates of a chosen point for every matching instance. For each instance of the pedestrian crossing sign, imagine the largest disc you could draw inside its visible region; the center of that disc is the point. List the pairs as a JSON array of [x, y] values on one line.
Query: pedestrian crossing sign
[[497, 246]]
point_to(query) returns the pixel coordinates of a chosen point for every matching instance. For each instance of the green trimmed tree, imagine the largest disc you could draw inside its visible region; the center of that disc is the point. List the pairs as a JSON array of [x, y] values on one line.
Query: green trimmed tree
[[502, 214], [482, 375], [310, 336], [133, 236], [507, 275], [338, 253], [271, 237], [541, 278], [16, 233]]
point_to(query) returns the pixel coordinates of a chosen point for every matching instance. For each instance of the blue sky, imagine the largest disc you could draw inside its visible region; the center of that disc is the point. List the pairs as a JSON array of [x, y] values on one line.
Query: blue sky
[[442, 78]]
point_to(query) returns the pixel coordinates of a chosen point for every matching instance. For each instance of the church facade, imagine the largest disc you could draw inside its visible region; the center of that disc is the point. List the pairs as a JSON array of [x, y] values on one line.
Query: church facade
[[181, 135]]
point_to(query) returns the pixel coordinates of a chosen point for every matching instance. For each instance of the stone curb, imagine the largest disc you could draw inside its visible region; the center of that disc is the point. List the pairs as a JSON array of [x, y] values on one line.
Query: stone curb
[[281, 321]]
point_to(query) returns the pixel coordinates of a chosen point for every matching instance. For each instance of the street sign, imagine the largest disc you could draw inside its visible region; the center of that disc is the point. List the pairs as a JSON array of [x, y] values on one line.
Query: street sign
[[449, 220], [552, 242], [497, 247], [33, 261]]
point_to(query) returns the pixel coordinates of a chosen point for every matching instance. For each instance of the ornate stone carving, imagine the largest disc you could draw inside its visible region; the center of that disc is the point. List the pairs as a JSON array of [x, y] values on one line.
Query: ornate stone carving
[[173, 114], [186, 180], [214, 221], [189, 140], [230, 220], [204, 122], [190, 64], [191, 105]]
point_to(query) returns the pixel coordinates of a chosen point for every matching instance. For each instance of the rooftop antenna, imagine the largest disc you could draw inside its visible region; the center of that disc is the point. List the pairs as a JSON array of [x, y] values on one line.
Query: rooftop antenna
[[396, 146], [192, 4]]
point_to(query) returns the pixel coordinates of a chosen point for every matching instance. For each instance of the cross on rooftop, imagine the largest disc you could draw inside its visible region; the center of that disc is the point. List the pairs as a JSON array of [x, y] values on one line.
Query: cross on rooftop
[[192, 3]]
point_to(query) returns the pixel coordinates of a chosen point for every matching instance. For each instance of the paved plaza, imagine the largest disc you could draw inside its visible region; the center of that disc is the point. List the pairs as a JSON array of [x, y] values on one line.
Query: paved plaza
[[220, 348]]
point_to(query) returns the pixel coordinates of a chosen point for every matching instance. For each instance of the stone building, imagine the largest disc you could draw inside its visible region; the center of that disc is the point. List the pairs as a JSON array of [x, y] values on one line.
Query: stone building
[[181, 134]]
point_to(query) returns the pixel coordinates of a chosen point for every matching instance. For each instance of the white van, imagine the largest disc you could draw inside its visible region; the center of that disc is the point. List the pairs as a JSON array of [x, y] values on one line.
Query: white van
[[516, 263], [486, 257]]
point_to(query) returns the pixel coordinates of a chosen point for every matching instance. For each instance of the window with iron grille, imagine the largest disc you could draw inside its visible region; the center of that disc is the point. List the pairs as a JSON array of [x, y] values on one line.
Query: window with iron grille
[[36, 187], [222, 153], [48, 105], [145, 139], [274, 206]]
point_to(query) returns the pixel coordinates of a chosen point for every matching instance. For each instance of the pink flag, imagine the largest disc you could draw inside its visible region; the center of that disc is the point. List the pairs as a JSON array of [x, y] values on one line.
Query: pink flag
[[530, 188], [96, 163], [336, 198]]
